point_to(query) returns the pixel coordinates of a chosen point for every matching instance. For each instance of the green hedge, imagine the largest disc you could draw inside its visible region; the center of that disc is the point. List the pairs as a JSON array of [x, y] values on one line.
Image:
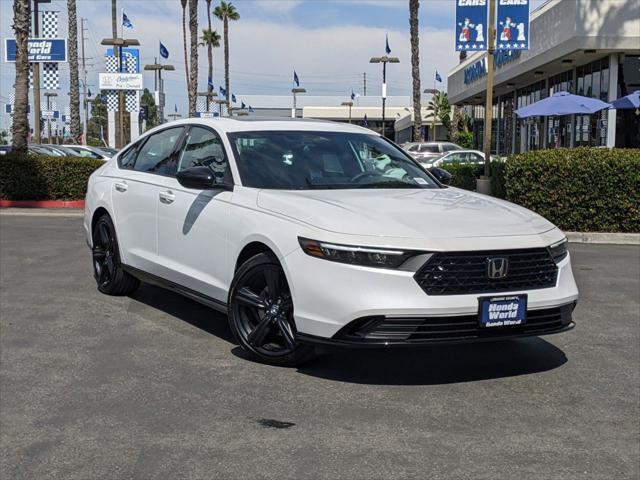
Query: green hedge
[[578, 189], [26, 177]]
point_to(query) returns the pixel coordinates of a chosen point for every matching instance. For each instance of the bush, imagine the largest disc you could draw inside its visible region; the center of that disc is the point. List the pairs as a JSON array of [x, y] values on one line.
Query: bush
[[25, 177], [465, 139], [463, 175], [578, 189]]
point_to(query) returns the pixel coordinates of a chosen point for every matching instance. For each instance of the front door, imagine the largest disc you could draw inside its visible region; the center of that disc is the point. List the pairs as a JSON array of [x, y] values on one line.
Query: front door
[[192, 224], [135, 197]]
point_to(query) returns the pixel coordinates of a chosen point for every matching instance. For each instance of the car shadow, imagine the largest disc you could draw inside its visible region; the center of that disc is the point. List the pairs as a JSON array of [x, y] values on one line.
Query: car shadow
[[185, 309], [438, 364], [432, 365]]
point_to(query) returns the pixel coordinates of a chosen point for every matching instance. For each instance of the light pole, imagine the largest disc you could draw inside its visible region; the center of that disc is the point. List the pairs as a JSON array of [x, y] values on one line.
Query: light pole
[[384, 60], [118, 44], [157, 76], [483, 184], [348, 104], [49, 95], [295, 91]]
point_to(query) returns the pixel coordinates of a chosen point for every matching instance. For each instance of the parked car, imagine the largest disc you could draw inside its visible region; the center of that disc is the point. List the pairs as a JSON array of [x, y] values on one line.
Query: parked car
[[88, 151], [457, 156], [109, 151], [318, 233], [4, 149], [52, 150], [426, 150]]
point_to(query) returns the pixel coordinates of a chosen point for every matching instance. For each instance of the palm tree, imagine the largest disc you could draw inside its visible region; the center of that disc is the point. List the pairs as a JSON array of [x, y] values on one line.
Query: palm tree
[[21, 27], [193, 73], [211, 39], [225, 12], [183, 3], [415, 68], [441, 110], [74, 90]]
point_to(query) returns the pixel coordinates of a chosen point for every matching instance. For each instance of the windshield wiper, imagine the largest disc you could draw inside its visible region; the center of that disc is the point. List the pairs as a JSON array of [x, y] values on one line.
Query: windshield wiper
[[390, 184]]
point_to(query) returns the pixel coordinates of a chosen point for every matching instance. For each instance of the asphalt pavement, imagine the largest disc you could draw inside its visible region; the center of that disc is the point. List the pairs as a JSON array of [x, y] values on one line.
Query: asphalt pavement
[[153, 386]]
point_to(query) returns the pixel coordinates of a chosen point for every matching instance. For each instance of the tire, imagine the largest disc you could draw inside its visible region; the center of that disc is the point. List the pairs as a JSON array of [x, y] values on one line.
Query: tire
[[261, 313], [107, 268]]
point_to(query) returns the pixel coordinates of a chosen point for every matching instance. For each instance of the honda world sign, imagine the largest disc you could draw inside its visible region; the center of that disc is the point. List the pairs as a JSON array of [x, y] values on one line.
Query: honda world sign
[[40, 49], [120, 81]]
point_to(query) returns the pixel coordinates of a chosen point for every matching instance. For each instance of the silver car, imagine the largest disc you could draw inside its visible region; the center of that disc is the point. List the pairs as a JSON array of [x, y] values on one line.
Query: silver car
[[427, 150]]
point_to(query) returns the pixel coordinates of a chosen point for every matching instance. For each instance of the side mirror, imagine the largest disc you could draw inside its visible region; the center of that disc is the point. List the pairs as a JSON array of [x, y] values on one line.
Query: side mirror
[[441, 175], [200, 178]]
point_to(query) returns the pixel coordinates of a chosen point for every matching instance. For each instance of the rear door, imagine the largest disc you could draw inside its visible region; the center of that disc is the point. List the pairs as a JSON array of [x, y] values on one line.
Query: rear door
[[193, 224], [136, 194]]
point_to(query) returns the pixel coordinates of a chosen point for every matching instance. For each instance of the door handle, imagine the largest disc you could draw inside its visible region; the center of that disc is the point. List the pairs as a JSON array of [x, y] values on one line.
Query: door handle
[[167, 197], [121, 186]]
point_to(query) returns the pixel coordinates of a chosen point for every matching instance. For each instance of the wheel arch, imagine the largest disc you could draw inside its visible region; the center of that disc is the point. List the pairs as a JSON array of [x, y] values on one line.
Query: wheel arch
[[251, 249]]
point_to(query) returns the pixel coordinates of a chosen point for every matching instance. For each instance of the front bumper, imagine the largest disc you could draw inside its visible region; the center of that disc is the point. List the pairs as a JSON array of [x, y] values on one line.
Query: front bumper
[[329, 296], [393, 331]]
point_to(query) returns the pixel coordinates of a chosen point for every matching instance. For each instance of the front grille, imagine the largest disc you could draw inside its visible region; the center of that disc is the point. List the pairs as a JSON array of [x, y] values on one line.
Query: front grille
[[434, 329], [459, 273]]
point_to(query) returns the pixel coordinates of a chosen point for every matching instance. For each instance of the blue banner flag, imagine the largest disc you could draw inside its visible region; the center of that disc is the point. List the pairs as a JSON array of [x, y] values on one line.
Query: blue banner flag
[[164, 53], [471, 25], [222, 91], [366, 123], [512, 31], [233, 98], [386, 47], [89, 93], [438, 77], [125, 21], [353, 95], [296, 80], [210, 83], [243, 106], [175, 107], [250, 108]]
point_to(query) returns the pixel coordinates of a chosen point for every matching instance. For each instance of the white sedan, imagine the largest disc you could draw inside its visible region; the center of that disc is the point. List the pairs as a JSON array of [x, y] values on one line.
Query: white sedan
[[311, 233]]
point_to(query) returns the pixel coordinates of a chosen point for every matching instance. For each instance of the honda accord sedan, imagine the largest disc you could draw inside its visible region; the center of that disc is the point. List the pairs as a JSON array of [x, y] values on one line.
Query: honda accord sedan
[[309, 232]]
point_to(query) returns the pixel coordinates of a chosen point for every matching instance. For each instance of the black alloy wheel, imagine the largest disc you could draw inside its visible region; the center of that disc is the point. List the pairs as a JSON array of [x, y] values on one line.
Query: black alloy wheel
[[107, 270], [261, 313]]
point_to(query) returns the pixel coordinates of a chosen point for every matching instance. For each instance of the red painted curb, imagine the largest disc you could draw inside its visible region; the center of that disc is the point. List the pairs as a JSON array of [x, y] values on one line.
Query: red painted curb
[[42, 203]]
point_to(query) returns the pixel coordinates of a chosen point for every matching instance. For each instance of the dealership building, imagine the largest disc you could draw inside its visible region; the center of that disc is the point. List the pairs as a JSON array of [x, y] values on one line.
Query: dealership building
[[586, 47]]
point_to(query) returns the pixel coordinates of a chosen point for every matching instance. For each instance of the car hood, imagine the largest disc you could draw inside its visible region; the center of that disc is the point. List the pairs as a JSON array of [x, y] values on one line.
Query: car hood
[[417, 214]]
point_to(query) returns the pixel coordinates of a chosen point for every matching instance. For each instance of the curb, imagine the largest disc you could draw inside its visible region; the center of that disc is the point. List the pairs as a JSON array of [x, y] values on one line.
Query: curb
[[604, 238], [42, 203]]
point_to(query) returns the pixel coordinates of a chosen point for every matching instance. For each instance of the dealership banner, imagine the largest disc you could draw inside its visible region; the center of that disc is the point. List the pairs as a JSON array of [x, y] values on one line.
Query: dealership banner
[[130, 56], [40, 49], [120, 81], [512, 29], [471, 25]]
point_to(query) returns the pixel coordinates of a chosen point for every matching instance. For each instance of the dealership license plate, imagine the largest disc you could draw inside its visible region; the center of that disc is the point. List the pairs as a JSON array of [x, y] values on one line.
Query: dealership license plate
[[504, 311]]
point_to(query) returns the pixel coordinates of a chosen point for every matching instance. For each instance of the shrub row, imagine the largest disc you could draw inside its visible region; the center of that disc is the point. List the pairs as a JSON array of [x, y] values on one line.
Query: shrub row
[[25, 177], [578, 189]]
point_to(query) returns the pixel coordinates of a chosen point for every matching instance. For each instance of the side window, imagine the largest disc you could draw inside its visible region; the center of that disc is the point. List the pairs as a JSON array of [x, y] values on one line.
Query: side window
[[447, 147], [203, 148], [127, 158], [155, 156]]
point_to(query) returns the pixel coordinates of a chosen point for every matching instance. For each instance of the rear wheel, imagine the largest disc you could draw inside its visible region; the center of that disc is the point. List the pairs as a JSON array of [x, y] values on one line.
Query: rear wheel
[[107, 269], [261, 313]]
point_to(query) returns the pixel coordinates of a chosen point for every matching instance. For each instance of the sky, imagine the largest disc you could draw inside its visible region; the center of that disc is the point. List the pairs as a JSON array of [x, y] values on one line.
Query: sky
[[327, 42]]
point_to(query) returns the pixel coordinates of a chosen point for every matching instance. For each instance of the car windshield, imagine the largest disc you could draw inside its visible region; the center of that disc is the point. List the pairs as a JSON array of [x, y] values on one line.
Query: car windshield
[[301, 160]]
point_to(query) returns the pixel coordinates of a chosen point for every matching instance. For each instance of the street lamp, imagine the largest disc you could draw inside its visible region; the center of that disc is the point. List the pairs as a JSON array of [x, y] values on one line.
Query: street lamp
[[295, 91], [433, 91], [348, 104], [159, 85], [384, 60], [49, 95], [118, 44]]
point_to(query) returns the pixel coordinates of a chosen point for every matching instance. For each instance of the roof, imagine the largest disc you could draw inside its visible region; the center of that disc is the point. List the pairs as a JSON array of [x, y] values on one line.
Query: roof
[[248, 124]]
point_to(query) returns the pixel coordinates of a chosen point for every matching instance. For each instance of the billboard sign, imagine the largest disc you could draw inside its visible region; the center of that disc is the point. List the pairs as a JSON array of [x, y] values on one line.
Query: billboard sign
[[128, 53], [40, 49], [512, 30], [120, 81], [471, 25]]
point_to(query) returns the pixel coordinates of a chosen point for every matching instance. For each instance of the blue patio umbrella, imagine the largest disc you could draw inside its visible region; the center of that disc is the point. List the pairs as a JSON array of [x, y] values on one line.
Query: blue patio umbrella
[[562, 103], [628, 102]]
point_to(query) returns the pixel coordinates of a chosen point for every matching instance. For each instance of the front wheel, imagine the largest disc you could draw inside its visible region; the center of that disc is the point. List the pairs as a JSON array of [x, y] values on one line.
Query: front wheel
[[261, 313]]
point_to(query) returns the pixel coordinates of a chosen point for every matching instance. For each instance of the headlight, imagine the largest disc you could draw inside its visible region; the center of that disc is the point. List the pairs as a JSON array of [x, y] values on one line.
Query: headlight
[[559, 250], [354, 255]]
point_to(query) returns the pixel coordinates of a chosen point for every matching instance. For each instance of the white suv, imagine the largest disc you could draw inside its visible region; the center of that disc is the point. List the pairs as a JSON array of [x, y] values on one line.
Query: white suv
[[310, 232]]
